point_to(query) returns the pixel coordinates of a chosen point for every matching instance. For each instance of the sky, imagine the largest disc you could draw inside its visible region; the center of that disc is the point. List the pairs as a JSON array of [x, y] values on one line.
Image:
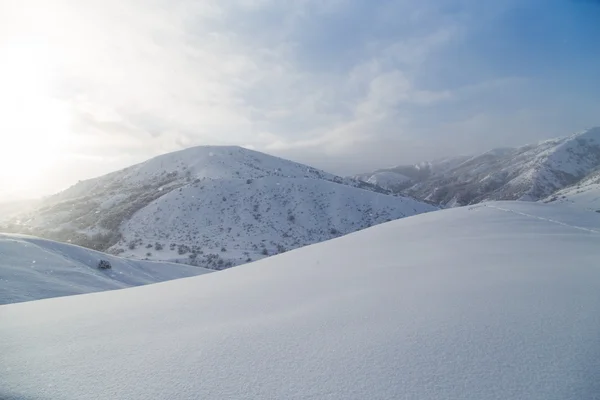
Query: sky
[[91, 86]]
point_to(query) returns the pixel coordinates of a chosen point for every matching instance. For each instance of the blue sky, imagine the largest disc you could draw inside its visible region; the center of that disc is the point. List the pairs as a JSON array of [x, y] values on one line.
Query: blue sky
[[344, 85]]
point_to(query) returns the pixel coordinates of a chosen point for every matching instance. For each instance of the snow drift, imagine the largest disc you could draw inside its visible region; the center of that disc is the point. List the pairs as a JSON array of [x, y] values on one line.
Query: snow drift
[[32, 268], [500, 301]]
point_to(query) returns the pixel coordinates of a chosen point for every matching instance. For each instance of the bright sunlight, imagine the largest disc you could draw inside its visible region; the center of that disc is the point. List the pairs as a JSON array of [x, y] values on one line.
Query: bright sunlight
[[34, 126]]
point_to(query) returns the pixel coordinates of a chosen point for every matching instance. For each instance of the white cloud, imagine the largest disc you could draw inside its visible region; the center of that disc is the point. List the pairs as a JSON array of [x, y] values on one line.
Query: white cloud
[[310, 78]]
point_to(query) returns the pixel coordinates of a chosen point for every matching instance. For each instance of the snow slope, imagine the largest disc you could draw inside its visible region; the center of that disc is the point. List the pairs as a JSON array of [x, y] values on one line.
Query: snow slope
[[225, 222], [389, 180], [496, 301], [195, 204], [32, 268], [401, 177], [584, 195], [530, 173]]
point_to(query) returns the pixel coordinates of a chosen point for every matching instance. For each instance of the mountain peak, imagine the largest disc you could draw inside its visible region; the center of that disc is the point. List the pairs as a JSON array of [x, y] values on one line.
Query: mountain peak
[[206, 162]]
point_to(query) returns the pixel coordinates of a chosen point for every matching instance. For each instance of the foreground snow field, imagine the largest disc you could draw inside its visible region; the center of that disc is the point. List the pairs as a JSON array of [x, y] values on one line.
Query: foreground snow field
[[495, 301], [32, 269]]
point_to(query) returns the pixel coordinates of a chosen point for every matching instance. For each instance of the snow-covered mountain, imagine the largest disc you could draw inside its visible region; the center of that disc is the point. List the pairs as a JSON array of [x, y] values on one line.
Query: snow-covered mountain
[[33, 268], [401, 177], [390, 180], [212, 206], [497, 301], [530, 173]]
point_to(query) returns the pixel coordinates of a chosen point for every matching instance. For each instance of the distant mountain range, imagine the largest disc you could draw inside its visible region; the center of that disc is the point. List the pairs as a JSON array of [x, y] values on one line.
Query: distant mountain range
[[211, 206], [544, 171]]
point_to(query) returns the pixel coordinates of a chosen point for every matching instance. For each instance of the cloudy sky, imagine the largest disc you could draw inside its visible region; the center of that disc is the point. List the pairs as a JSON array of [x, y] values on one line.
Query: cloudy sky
[[90, 86]]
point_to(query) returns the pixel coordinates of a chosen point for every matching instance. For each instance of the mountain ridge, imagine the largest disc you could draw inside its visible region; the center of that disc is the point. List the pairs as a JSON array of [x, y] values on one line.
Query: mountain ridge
[[531, 172]]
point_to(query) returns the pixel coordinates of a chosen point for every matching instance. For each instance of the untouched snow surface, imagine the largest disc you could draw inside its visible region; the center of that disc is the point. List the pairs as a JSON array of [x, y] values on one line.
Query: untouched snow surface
[[32, 268], [496, 301]]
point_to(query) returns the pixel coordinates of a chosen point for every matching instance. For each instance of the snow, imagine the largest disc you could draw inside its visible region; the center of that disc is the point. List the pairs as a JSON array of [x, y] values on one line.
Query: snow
[[388, 179], [584, 195], [32, 268], [494, 301], [529, 173], [213, 162], [271, 213]]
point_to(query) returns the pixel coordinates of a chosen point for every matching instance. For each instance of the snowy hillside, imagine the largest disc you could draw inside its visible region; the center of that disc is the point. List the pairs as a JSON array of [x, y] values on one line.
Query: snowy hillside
[[211, 206], [389, 180], [32, 268], [529, 173], [584, 194], [400, 177], [219, 223], [497, 301]]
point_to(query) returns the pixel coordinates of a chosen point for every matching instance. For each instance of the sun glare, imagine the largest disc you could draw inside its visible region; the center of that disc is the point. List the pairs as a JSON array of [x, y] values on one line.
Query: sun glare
[[33, 125]]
